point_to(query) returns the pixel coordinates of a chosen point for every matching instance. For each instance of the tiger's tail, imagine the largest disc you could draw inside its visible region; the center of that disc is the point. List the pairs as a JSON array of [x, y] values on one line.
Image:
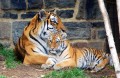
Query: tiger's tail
[[110, 59], [18, 55]]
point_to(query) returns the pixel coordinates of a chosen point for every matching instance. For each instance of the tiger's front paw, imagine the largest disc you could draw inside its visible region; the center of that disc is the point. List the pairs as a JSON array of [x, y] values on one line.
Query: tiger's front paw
[[93, 71], [57, 67], [49, 63], [46, 66]]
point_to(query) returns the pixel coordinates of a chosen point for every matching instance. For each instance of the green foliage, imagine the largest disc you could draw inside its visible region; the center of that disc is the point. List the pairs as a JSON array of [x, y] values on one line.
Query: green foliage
[[1, 46], [106, 77], [68, 73], [10, 59], [1, 76], [111, 67]]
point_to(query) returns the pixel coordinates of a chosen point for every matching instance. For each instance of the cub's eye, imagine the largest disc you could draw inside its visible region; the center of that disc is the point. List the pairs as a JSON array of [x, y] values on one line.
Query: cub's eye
[[50, 41], [50, 28]]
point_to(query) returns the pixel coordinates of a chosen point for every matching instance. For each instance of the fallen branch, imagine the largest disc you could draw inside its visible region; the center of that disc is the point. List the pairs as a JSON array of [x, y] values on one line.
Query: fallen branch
[[110, 38]]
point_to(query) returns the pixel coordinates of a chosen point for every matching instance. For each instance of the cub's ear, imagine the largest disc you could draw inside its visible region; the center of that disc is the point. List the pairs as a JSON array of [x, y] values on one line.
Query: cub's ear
[[63, 35], [53, 11]]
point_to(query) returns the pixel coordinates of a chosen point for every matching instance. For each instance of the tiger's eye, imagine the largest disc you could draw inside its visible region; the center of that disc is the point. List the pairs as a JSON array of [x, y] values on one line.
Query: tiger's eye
[[57, 41], [50, 41]]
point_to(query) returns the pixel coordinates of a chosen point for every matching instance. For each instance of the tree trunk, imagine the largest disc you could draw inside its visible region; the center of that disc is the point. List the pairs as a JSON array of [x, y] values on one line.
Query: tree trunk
[[110, 38], [118, 10]]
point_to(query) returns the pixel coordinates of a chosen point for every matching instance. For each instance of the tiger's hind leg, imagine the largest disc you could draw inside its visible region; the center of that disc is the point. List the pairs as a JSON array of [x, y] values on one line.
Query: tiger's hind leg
[[32, 56], [35, 59], [100, 65]]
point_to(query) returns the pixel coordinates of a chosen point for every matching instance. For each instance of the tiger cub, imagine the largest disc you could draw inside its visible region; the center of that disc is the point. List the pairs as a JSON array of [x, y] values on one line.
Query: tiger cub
[[32, 47], [66, 55]]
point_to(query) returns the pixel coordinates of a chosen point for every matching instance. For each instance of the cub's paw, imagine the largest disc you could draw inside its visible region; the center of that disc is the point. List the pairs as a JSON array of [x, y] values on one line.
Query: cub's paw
[[49, 63]]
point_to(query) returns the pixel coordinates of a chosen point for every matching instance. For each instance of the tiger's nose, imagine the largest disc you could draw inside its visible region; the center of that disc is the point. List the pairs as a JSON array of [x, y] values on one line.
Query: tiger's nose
[[44, 33], [52, 49]]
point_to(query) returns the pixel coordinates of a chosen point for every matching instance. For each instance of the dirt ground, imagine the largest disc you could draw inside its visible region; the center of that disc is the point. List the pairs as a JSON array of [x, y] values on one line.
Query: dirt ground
[[34, 71]]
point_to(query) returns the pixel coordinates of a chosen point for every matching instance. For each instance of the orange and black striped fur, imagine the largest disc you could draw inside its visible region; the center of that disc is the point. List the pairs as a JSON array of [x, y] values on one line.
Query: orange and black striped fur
[[32, 46], [66, 55]]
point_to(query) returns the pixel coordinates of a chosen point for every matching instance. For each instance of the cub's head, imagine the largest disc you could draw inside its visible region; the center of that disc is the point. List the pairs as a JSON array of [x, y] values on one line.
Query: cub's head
[[57, 43]]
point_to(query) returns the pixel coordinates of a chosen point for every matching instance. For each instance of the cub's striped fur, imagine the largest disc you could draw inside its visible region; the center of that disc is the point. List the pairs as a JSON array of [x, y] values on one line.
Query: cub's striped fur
[[32, 46], [66, 55]]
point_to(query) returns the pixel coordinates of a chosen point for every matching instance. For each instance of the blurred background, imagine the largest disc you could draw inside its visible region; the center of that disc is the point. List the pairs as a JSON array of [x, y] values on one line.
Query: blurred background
[[82, 18]]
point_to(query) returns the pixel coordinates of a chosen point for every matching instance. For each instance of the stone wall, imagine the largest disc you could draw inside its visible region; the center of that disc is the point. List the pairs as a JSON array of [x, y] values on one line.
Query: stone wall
[[82, 19]]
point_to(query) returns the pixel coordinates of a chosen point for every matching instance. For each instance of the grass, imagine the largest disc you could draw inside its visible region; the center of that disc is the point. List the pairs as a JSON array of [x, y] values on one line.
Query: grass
[[1, 76], [10, 59], [69, 73], [111, 67]]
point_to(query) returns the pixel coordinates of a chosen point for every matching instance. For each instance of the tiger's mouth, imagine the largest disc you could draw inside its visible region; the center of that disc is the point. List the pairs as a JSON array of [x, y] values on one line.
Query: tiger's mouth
[[54, 52]]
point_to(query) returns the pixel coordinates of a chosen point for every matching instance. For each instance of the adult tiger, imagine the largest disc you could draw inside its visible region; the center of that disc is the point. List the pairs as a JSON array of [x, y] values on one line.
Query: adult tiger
[[31, 47], [66, 55]]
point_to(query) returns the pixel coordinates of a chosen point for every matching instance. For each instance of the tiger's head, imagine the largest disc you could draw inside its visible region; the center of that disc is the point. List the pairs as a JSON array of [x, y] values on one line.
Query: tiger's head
[[57, 43], [43, 26]]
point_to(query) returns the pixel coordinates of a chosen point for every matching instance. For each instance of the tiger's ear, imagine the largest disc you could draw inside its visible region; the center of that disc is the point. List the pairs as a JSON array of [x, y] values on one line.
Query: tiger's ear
[[48, 12], [43, 13], [40, 15]]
